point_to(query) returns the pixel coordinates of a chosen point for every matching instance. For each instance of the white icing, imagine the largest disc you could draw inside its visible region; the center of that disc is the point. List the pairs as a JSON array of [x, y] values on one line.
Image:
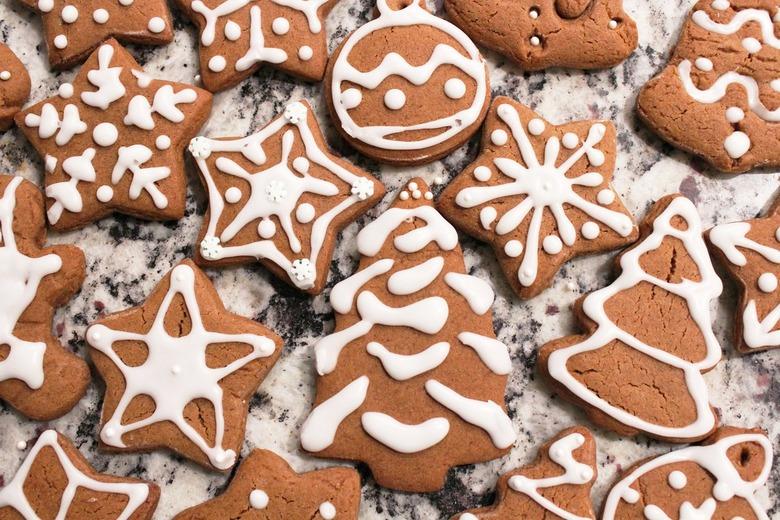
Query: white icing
[[487, 216], [751, 45], [280, 26], [499, 137], [162, 142], [65, 90], [305, 213], [319, 430], [100, 16], [351, 98], [416, 278], [767, 282], [570, 140], [372, 237], [69, 14], [697, 295], [704, 64], [104, 193], [482, 173], [546, 188], [590, 230], [536, 126], [105, 134], [513, 248], [605, 197], [762, 17], [395, 99], [552, 245], [405, 438], [737, 144], [454, 88], [5, 75], [130, 158], [106, 79], [394, 64], [45, 6], [493, 353], [217, 63], [734, 115], [327, 510], [139, 111], [305, 53], [677, 479], [175, 371], [343, 294], [403, 367], [232, 31], [13, 495], [60, 41], [65, 194], [49, 123], [156, 25], [477, 292], [258, 499], [257, 52]]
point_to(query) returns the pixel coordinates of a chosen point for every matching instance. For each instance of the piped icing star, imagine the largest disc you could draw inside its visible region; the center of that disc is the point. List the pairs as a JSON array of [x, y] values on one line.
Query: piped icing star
[[238, 36], [14, 86], [540, 194], [750, 252], [279, 196], [179, 371], [113, 141], [72, 29]]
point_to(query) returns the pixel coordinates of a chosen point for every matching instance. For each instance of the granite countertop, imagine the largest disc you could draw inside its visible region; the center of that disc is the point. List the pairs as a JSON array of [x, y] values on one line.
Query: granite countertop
[[745, 389]]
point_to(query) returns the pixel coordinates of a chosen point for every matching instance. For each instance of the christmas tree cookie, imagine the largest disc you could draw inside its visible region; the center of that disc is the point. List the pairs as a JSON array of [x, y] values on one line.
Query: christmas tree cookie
[[412, 380], [638, 368]]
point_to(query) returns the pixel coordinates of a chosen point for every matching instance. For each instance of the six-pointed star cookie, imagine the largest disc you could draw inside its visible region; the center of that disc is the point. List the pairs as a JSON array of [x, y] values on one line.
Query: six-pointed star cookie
[[72, 29], [179, 371], [266, 487], [113, 141], [238, 36], [556, 485], [14, 86], [279, 196], [38, 376], [56, 481], [750, 252], [540, 194]]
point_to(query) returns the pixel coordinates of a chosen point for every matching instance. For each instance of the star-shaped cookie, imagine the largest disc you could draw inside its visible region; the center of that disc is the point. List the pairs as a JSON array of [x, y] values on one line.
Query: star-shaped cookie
[[14, 86], [540, 194], [238, 36], [56, 481], [750, 252], [279, 196], [38, 377], [556, 485], [72, 29], [113, 141], [179, 371], [266, 487]]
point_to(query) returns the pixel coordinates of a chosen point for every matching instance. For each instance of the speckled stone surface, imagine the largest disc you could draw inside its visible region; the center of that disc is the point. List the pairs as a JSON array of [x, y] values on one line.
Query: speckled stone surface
[[126, 257]]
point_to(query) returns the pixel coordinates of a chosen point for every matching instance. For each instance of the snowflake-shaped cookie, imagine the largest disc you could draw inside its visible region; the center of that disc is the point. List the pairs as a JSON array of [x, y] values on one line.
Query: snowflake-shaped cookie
[[540, 194]]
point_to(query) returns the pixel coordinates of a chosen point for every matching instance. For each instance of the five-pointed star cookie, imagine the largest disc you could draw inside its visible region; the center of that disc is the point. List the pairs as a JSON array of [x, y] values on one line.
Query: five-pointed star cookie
[[750, 252], [38, 376], [14, 86], [179, 371], [279, 196], [113, 141], [72, 29], [266, 487], [540, 194], [238, 36], [56, 481], [556, 485]]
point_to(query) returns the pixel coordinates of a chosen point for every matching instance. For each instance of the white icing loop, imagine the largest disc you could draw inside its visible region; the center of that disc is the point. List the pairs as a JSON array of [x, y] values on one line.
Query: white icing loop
[[405, 438], [372, 237]]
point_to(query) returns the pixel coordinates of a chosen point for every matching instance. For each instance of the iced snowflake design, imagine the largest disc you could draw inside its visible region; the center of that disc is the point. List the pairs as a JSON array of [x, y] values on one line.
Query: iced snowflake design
[[302, 269], [363, 189]]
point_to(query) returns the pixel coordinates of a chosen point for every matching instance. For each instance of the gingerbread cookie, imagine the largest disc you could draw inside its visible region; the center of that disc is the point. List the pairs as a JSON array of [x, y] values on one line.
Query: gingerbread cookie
[[113, 141], [38, 376], [540, 194], [558, 483], [649, 338], [14, 86], [179, 371], [408, 87], [72, 29], [412, 380], [238, 36], [279, 196], [537, 34], [56, 481], [750, 252], [717, 479], [266, 488], [719, 97]]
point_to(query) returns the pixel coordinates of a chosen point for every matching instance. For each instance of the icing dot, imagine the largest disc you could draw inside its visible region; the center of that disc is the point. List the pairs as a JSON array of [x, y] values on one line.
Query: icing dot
[[438, 180], [605, 197], [395, 99], [513, 248], [351, 98], [5, 75], [280, 26], [163, 142], [428, 195], [570, 140], [631, 495], [767, 282], [305, 213], [535, 41], [704, 64], [735, 115], [104, 194], [777, 234], [721, 5], [301, 164], [775, 84], [105, 134], [51, 163], [595, 157], [60, 41], [258, 499], [613, 24], [737, 144], [156, 25], [69, 14], [467, 516], [232, 31], [751, 45], [100, 16], [487, 216], [454, 88], [126, 3], [305, 53], [45, 6], [552, 245], [536, 126], [266, 229], [416, 194], [590, 230], [412, 185], [404, 195], [21, 445], [482, 173], [534, 13], [722, 491], [499, 137], [677, 479], [327, 511], [232, 195], [217, 63]]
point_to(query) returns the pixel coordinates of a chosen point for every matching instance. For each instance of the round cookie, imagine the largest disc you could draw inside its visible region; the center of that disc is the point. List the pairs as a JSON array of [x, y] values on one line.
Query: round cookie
[[408, 87], [14, 86]]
